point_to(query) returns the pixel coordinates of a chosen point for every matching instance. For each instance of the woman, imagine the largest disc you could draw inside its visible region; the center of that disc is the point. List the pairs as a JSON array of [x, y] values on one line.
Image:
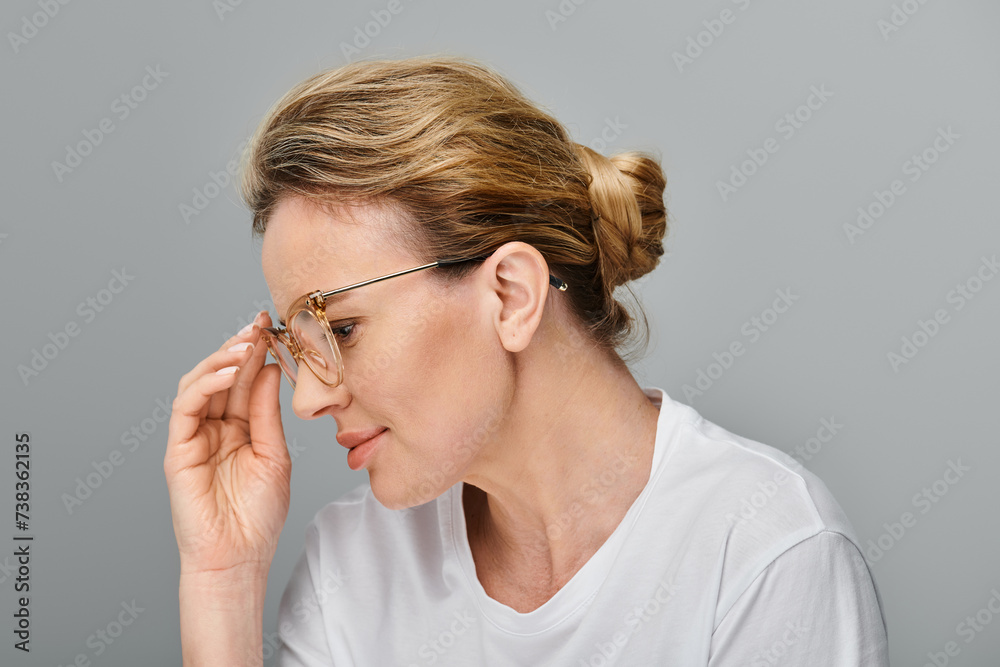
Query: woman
[[445, 258]]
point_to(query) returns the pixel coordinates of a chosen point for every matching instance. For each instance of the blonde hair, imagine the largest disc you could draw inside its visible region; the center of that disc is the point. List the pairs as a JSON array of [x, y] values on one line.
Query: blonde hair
[[471, 164]]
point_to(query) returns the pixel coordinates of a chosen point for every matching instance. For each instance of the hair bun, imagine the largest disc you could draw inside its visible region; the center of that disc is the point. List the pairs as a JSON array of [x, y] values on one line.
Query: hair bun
[[630, 218]]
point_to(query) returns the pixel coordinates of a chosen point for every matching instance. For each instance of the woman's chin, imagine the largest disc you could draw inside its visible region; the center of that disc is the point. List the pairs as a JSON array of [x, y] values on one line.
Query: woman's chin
[[395, 497]]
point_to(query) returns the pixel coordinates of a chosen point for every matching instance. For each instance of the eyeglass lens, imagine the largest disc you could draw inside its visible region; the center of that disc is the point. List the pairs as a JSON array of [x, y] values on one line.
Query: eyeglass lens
[[316, 344]]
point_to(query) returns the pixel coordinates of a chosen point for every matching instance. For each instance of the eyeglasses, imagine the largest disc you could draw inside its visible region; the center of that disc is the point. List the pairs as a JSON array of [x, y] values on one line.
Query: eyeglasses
[[306, 334]]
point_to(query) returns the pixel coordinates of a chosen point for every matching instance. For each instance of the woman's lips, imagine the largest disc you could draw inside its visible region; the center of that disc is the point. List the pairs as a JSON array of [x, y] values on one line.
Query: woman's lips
[[351, 439], [359, 455]]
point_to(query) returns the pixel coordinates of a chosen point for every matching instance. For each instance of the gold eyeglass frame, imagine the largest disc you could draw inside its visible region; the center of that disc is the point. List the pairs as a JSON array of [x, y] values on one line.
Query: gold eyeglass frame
[[315, 303]]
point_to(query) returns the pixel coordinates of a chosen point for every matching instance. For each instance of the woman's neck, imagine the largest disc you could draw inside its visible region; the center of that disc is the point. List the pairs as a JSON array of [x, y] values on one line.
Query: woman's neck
[[545, 498]]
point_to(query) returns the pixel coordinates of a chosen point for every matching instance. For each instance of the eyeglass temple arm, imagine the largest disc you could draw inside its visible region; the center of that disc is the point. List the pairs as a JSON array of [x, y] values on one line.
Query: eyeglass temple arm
[[555, 282], [375, 280]]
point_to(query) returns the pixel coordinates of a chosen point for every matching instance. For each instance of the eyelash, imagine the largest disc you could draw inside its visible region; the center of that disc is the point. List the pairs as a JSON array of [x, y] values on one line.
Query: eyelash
[[343, 325]]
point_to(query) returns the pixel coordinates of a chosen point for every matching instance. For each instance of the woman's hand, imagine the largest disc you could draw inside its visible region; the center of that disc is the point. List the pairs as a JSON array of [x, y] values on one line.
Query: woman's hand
[[227, 466]]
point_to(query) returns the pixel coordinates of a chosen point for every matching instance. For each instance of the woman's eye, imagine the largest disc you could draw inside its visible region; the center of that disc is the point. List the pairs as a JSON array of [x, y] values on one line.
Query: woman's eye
[[344, 332]]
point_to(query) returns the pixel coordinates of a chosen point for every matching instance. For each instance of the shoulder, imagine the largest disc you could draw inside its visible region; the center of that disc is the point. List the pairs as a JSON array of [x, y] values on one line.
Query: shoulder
[[754, 504], [758, 475], [754, 484], [816, 598]]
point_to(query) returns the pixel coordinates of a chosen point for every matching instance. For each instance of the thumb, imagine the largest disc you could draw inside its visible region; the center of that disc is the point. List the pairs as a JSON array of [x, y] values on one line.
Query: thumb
[[267, 434]]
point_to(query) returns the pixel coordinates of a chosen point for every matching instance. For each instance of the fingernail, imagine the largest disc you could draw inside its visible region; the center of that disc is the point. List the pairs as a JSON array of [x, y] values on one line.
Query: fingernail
[[259, 317], [229, 370], [240, 347], [245, 330]]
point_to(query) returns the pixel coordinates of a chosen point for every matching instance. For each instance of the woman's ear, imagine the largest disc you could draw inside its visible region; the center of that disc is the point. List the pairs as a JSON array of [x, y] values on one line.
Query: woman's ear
[[517, 282]]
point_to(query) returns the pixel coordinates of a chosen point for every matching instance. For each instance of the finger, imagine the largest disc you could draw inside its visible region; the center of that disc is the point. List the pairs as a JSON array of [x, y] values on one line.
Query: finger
[[217, 406], [239, 394], [217, 359], [266, 431], [183, 448], [239, 355]]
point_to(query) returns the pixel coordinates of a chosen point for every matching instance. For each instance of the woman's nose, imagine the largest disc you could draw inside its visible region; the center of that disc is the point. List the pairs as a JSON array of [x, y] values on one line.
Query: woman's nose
[[313, 398]]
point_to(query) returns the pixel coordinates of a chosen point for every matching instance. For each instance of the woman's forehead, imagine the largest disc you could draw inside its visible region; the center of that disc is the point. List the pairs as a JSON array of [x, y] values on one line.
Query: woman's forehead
[[297, 223], [307, 248]]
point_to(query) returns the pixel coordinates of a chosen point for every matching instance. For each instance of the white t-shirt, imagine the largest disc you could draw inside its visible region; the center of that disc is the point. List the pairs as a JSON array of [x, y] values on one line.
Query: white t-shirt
[[733, 554]]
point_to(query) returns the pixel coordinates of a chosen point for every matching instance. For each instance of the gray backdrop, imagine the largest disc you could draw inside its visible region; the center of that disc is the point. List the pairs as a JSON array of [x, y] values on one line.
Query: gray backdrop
[[831, 178]]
